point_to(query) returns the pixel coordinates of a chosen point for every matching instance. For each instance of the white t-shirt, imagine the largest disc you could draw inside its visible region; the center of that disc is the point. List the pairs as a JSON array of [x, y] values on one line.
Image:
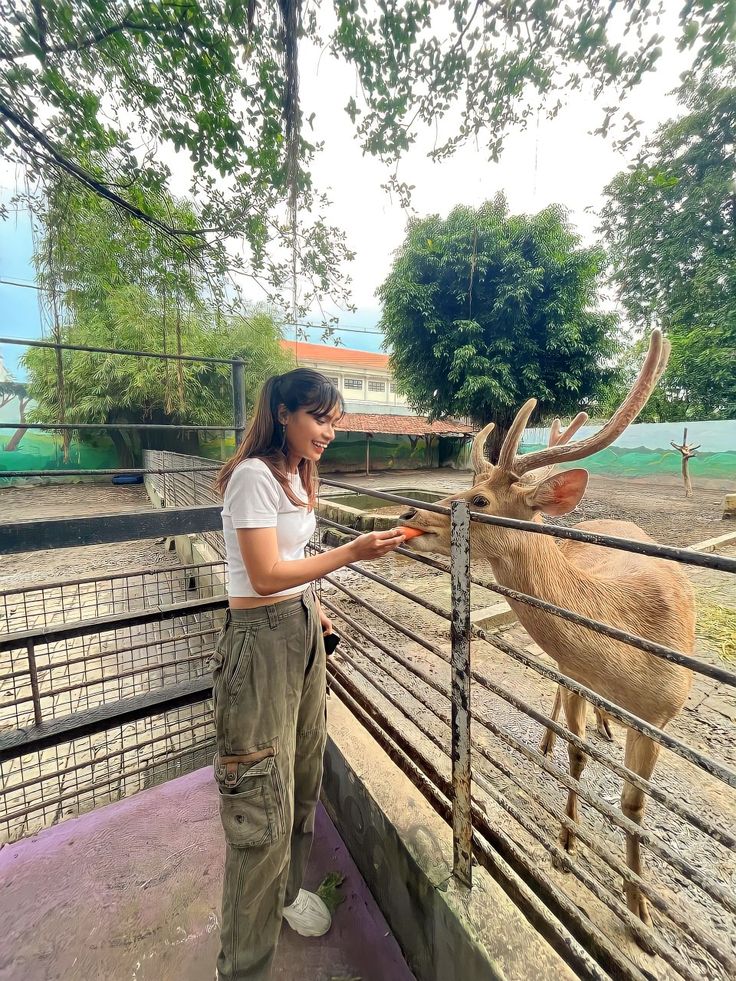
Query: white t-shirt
[[255, 499]]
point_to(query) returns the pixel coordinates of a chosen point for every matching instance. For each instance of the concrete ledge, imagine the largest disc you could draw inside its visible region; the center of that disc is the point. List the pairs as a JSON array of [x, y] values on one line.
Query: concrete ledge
[[729, 506], [489, 617], [715, 544], [403, 848]]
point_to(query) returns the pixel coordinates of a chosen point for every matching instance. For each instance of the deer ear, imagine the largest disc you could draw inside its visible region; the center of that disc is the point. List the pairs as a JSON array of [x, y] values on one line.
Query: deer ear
[[560, 493]]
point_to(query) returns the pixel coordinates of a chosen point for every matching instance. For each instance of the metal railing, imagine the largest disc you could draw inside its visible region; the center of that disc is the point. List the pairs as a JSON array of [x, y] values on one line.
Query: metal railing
[[366, 680], [237, 372], [465, 736]]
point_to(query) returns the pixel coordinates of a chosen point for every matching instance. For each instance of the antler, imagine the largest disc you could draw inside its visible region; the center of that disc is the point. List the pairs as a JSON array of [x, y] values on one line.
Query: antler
[[651, 371], [478, 459], [558, 437]]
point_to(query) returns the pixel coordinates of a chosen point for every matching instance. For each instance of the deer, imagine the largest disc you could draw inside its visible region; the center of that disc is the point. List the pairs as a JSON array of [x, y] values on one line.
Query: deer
[[480, 466], [642, 594]]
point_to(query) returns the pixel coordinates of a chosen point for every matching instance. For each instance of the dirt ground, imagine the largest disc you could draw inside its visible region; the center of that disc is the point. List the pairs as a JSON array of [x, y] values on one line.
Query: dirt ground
[[76, 500], [707, 723]]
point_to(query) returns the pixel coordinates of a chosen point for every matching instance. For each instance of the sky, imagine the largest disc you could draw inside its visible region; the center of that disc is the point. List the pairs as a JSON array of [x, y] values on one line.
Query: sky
[[558, 161]]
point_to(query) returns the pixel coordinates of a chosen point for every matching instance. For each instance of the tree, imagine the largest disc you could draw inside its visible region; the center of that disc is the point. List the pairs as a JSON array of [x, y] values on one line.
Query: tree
[[9, 392], [96, 88], [670, 227], [484, 310], [108, 287]]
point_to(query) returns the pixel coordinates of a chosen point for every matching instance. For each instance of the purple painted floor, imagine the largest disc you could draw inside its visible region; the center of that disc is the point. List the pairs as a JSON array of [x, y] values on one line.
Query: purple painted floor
[[132, 891]]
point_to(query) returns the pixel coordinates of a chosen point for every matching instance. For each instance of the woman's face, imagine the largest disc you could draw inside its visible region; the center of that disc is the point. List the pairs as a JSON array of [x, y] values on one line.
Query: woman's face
[[308, 435]]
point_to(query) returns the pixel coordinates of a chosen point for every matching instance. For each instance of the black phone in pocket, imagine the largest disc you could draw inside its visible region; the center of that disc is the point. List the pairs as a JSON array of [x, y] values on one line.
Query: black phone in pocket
[[331, 642]]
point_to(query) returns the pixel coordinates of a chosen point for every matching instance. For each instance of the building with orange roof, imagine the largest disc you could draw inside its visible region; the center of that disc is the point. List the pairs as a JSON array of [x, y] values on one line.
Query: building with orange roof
[[379, 430], [363, 377]]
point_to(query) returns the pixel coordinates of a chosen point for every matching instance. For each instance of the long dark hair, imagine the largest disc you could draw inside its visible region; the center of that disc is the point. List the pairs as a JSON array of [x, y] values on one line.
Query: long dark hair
[[265, 439]]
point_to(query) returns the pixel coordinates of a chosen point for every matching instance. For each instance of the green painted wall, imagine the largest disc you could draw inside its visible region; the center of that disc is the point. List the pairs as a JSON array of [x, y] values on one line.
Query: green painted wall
[[43, 451]]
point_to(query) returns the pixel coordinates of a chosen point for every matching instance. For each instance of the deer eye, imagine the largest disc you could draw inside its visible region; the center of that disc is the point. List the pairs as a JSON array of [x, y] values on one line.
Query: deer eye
[[479, 502]]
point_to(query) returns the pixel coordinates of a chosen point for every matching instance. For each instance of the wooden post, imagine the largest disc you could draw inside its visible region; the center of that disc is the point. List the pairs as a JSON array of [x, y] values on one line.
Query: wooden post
[[368, 438], [687, 452]]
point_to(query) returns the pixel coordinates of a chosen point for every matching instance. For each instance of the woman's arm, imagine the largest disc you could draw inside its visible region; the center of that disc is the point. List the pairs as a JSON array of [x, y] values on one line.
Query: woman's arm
[[269, 574]]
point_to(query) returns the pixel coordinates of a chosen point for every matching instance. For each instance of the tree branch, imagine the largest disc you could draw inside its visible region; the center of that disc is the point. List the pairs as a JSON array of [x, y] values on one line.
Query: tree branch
[[40, 16], [57, 158], [124, 24]]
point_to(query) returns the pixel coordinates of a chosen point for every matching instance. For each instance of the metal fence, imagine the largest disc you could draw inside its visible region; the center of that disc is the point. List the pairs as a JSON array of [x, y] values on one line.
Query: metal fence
[[237, 373], [419, 703], [74, 646], [464, 726]]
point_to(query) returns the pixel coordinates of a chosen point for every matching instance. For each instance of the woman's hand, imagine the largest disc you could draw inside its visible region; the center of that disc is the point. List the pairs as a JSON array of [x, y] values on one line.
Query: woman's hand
[[375, 544], [324, 620]]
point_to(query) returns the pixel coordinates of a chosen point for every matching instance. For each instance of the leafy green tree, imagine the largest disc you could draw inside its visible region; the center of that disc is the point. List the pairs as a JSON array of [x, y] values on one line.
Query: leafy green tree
[[108, 287], [670, 228], [483, 310], [94, 89]]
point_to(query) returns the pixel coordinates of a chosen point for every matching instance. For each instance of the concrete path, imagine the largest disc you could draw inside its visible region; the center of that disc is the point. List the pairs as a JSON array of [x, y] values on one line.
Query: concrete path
[[131, 892]]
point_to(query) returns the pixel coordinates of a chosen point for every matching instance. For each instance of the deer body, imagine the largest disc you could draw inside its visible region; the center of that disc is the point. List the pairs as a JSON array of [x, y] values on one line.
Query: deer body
[[599, 583], [644, 595]]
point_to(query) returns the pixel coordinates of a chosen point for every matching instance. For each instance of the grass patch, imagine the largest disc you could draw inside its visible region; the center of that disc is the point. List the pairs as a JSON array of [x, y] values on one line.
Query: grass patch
[[718, 624], [329, 892]]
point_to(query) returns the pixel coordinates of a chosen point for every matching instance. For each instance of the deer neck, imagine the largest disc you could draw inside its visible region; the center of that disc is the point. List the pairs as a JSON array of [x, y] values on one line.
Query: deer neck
[[534, 564]]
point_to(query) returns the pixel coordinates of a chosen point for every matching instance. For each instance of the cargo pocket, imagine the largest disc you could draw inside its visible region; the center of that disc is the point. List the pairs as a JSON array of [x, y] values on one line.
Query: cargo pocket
[[251, 797]]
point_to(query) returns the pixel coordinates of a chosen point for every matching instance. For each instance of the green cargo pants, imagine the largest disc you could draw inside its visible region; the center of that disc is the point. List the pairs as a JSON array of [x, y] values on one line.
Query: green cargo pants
[[269, 701]]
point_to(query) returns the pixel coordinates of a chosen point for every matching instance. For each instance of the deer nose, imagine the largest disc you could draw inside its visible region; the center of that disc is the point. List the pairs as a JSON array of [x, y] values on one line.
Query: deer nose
[[407, 514]]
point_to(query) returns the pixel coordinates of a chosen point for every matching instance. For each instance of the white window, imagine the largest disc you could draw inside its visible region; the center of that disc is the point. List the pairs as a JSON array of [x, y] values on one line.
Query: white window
[[335, 381], [376, 386], [354, 384], [393, 388]]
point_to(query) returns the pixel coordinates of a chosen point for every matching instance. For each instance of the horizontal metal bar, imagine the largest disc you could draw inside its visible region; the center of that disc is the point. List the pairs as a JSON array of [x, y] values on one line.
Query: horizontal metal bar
[[102, 654], [48, 533], [704, 560], [128, 471], [24, 342], [705, 762], [168, 733], [570, 932], [48, 426], [675, 804], [633, 640], [159, 571], [99, 784], [21, 742], [56, 632], [79, 685], [662, 948]]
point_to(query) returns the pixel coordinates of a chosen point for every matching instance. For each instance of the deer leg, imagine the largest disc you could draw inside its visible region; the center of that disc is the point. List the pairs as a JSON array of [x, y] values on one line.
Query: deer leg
[[549, 738], [603, 725], [576, 709], [641, 757]]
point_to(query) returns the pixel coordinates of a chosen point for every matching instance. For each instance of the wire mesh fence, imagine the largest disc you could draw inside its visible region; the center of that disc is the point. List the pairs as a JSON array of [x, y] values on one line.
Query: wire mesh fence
[[72, 646]]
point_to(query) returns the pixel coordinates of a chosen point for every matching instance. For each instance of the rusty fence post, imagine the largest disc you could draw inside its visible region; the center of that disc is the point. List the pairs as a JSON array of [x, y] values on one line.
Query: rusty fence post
[[33, 671], [462, 823], [238, 381]]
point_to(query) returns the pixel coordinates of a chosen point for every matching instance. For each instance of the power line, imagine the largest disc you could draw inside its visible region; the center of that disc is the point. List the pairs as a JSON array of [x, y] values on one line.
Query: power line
[[334, 327]]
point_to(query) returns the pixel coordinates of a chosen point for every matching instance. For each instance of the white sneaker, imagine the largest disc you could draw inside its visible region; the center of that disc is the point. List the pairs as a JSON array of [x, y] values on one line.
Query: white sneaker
[[308, 915]]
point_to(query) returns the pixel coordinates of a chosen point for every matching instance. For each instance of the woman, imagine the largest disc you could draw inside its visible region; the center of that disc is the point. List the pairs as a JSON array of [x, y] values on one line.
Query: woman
[[269, 669]]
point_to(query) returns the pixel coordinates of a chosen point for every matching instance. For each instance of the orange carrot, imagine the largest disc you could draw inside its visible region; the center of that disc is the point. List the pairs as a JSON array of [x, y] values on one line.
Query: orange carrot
[[409, 532]]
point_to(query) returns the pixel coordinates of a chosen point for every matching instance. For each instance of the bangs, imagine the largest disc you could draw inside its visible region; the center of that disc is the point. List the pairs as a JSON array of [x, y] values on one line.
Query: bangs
[[324, 399]]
